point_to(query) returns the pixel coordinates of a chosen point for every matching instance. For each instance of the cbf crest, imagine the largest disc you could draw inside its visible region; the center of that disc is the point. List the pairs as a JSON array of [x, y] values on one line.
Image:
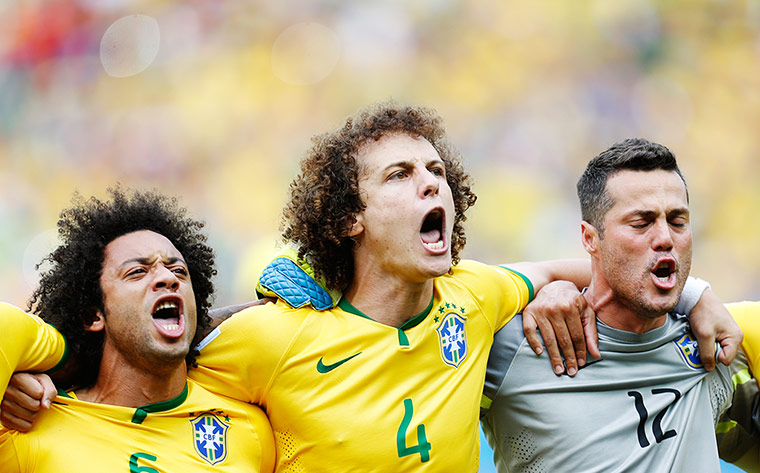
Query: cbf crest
[[689, 351], [452, 336], [210, 437]]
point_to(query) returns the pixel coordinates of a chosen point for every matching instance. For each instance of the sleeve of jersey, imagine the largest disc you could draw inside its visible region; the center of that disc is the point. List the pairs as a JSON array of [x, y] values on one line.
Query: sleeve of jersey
[[737, 431], [27, 343], [240, 358], [747, 315], [500, 292]]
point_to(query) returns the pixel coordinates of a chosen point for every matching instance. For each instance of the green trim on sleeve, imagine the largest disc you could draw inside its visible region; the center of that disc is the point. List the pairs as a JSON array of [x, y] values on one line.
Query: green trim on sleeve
[[531, 290], [64, 358], [142, 412]]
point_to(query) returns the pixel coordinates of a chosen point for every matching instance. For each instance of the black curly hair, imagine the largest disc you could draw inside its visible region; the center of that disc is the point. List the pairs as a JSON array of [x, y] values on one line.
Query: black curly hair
[[69, 294], [325, 195]]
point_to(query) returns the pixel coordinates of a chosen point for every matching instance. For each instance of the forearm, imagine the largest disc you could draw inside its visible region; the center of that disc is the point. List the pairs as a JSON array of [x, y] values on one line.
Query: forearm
[[577, 271]]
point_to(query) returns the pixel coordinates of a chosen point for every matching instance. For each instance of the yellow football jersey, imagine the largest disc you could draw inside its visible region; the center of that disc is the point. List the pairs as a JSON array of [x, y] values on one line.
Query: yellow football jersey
[[736, 442], [747, 315], [196, 431], [28, 343], [345, 393]]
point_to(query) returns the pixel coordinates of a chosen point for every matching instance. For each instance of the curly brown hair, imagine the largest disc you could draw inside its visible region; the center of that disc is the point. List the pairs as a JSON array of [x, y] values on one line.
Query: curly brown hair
[[325, 195], [69, 294]]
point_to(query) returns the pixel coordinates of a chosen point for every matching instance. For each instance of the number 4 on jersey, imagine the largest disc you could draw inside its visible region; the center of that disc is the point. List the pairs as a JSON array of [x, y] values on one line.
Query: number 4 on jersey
[[422, 447]]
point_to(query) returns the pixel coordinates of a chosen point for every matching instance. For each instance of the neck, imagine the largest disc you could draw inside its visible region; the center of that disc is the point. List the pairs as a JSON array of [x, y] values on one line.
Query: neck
[[122, 384], [389, 301], [613, 312]]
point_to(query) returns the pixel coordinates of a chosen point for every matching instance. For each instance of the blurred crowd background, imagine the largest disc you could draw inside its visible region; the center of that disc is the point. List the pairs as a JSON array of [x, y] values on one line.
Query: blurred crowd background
[[216, 101]]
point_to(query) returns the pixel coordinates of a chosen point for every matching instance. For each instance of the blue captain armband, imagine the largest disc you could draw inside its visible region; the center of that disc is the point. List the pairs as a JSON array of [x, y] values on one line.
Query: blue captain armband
[[292, 280]]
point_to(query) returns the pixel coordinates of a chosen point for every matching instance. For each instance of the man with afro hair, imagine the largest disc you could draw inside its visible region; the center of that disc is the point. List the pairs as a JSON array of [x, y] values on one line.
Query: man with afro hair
[[128, 288]]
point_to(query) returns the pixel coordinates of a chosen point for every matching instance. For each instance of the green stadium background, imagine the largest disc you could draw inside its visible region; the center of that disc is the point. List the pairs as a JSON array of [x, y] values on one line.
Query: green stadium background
[[216, 101]]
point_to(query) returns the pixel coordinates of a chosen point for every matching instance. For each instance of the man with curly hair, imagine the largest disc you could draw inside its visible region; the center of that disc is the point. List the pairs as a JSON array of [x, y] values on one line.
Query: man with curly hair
[[128, 287], [390, 379]]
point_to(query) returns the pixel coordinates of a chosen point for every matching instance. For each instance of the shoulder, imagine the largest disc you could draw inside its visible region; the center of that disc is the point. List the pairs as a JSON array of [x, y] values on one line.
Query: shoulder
[[746, 313], [470, 271]]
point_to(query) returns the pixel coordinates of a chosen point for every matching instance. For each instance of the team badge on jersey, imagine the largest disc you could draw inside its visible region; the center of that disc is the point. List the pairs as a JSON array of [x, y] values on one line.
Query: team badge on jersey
[[210, 438], [452, 336], [689, 351]]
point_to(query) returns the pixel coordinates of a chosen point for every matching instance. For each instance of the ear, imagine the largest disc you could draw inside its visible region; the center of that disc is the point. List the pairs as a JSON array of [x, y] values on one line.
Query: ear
[[356, 227], [589, 238], [98, 324]]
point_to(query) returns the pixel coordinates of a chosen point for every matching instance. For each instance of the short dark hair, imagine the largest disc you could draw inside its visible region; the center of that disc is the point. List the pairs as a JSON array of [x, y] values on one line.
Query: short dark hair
[[633, 154], [69, 294], [325, 195]]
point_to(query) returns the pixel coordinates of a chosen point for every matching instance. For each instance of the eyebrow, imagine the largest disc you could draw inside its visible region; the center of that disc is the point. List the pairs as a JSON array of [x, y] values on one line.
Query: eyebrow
[[146, 261], [408, 164], [650, 213]]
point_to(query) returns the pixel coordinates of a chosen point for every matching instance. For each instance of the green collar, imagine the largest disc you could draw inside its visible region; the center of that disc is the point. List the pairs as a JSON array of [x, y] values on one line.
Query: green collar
[[413, 322], [142, 412]]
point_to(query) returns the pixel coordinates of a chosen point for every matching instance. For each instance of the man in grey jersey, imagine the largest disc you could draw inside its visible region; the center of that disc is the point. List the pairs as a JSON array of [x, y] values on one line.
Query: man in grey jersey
[[647, 404]]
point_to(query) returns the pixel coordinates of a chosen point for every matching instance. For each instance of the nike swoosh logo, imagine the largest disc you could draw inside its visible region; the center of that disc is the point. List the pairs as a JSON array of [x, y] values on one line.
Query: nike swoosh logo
[[323, 368]]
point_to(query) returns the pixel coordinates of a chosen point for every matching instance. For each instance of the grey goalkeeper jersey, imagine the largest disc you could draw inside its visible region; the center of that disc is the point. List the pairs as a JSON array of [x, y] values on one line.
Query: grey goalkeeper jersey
[[646, 406]]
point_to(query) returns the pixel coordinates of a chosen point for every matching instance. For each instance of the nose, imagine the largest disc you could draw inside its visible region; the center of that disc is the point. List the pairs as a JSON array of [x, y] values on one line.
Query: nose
[[164, 278], [662, 239], [429, 184]]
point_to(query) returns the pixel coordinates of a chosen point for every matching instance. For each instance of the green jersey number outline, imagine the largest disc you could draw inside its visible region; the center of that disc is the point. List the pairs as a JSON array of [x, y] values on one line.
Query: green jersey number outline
[[422, 447]]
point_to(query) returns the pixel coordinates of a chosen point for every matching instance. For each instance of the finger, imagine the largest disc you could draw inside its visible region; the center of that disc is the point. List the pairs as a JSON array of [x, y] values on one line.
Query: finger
[[589, 329], [706, 351], [565, 342], [575, 330], [550, 344], [12, 422], [529, 328], [28, 390], [14, 411], [49, 390], [27, 384], [729, 348], [15, 398]]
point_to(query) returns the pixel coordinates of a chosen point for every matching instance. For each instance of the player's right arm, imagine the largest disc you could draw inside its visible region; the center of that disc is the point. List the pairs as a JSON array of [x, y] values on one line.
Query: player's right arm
[[27, 344]]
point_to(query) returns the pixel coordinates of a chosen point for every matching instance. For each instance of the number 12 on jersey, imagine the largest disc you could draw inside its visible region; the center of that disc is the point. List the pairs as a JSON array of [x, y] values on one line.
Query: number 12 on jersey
[[422, 447]]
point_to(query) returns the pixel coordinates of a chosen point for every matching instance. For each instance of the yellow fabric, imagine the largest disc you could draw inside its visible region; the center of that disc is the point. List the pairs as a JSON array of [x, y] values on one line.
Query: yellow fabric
[[26, 343], [747, 315], [88, 437], [379, 390]]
